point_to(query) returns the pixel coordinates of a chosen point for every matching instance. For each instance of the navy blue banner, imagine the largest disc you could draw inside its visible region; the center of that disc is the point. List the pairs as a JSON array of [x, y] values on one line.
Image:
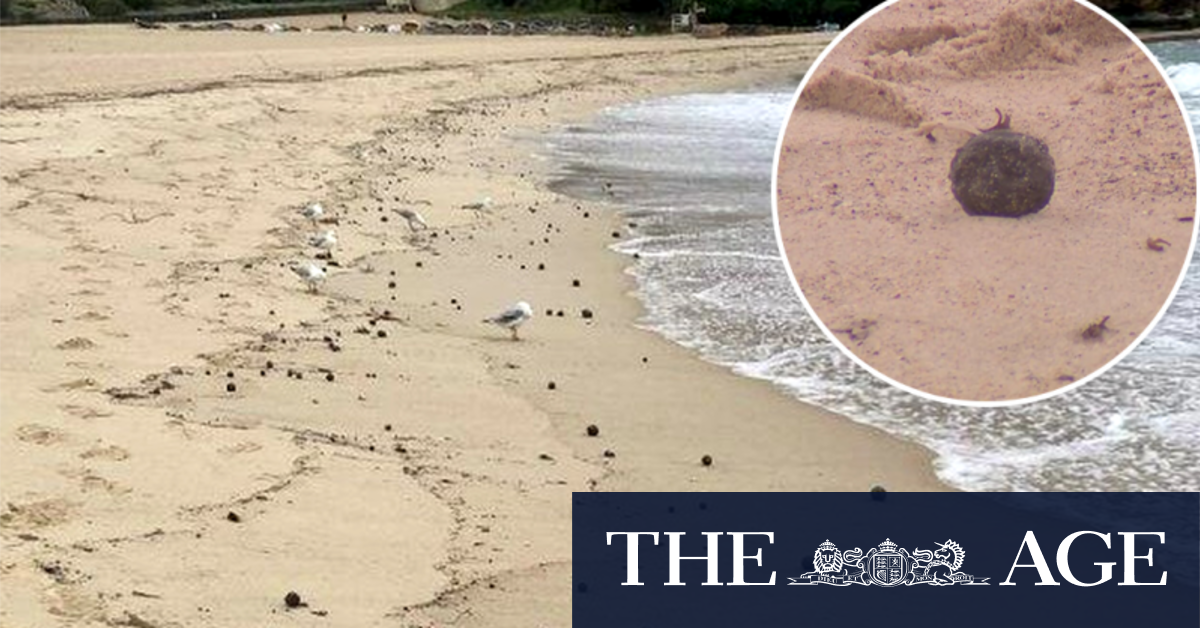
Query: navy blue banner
[[698, 560]]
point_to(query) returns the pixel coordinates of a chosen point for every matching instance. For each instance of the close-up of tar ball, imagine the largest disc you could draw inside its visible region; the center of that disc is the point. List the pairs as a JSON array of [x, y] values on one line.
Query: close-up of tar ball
[[1002, 173], [986, 201]]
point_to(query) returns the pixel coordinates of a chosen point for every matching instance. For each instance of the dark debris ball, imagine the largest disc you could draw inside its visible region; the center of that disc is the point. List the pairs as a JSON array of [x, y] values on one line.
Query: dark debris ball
[[1002, 173]]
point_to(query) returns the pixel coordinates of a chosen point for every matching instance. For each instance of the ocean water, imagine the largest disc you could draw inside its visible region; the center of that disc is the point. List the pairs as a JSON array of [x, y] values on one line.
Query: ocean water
[[694, 173]]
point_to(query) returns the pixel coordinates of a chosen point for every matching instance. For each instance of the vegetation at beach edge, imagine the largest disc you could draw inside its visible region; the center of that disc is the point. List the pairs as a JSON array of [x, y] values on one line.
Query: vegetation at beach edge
[[1172, 14], [1135, 13], [772, 12]]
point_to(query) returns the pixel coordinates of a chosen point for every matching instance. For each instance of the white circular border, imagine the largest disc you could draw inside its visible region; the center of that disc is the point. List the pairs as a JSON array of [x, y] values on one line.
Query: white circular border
[[960, 402]]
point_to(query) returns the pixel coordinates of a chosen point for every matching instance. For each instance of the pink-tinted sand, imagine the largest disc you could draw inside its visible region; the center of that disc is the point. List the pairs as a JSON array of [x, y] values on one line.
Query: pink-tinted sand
[[983, 308]]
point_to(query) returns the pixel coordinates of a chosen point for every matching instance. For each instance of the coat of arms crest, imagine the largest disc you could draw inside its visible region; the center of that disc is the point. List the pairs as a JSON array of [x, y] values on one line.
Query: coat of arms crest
[[888, 565]]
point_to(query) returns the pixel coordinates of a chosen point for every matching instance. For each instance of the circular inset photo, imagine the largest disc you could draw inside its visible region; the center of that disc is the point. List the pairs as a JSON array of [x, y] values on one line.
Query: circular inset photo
[[986, 201]]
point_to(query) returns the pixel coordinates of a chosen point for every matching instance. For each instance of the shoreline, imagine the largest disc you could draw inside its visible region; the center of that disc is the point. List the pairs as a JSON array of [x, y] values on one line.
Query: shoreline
[[164, 220]]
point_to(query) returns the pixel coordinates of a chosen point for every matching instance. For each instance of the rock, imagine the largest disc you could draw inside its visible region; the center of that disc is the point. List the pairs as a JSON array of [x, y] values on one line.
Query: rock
[[1002, 173], [593, 430]]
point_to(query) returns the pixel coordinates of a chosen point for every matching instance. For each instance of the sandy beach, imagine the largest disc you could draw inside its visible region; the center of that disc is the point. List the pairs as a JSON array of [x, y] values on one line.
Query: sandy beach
[[187, 434]]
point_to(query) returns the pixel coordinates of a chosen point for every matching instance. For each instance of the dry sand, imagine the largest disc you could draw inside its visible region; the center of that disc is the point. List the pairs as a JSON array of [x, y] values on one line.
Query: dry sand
[[150, 187], [985, 308]]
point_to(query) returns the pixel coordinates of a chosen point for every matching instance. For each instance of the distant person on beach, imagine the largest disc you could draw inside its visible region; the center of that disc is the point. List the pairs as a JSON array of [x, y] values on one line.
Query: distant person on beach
[[344, 18]]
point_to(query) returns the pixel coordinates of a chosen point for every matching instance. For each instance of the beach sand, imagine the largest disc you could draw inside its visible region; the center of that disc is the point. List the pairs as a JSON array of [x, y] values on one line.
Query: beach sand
[[186, 434], [986, 308]]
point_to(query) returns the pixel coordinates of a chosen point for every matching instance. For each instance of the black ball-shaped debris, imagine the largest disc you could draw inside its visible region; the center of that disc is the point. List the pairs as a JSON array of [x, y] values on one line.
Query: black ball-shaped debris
[[230, 387], [878, 493], [593, 430], [706, 460], [292, 599], [1002, 173]]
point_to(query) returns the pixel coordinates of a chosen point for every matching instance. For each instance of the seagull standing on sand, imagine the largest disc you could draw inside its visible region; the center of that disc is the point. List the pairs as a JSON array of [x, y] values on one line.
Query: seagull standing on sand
[[512, 318], [313, 212], [324, 241], [414, 218], [310, 273]]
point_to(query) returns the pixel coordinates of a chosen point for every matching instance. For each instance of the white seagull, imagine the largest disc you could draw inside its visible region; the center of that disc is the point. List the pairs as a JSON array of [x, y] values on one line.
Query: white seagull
[[512, 318], [324, 241], [310, 273], [414, 218], [313, 212]]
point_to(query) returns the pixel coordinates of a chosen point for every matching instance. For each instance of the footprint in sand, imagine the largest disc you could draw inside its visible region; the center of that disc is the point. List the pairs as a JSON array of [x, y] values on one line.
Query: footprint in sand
[[39, 514], [84, 412], [112, 452], [40, 434], [243, 447], [74, 602], [92, 482], [91, 315], [78, 343]]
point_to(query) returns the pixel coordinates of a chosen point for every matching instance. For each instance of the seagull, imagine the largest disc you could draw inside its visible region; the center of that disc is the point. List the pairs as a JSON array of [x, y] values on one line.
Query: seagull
[[415, 219], [310, 273], [325, 241], [313, 212], [481, 205], [512, 318]]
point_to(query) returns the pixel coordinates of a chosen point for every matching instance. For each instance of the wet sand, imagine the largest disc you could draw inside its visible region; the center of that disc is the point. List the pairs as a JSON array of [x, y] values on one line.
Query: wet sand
[[186, 434]]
